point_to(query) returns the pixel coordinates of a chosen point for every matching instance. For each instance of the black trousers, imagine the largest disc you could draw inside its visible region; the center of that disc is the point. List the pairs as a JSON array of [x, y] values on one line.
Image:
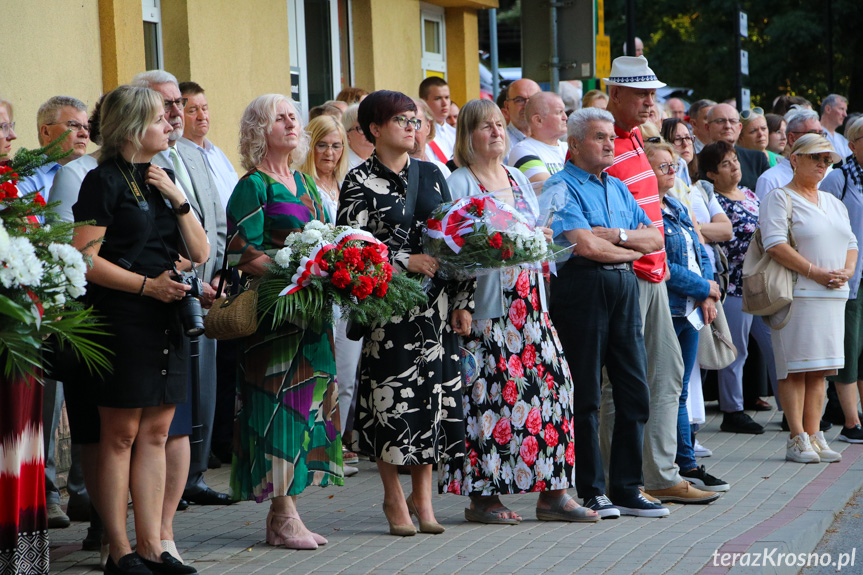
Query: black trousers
[[597, 316]]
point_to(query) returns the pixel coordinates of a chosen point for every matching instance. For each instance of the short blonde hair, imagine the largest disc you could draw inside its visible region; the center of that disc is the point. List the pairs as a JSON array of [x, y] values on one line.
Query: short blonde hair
[[470, 117], [662, 146], [257, 122], [815, 144], [588, 99], [428, 116], [125, 115], [318, 129], [854, 129]]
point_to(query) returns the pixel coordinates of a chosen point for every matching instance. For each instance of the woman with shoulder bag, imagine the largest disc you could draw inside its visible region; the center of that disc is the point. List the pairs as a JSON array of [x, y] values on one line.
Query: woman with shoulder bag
[[810, 346], [409, 408], [133, 288]]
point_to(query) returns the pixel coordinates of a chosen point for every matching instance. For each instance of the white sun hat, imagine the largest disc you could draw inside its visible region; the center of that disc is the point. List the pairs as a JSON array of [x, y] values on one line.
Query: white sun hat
[[632, 72]]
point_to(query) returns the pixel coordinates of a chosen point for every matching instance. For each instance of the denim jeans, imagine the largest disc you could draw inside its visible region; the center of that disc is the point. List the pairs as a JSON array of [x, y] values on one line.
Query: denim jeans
[[688, 338]]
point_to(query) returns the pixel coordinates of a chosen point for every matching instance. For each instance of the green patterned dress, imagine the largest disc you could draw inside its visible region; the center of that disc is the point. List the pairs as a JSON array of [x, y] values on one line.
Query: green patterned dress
[[287, 423]]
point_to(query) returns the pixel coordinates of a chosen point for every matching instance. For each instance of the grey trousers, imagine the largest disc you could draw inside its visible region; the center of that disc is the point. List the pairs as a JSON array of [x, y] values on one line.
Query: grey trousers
[[348, 354], [665, 380], [52, 407], [206, 411]]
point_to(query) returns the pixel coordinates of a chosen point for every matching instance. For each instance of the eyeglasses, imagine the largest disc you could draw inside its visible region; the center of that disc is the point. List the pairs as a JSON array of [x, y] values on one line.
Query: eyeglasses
[[683, 140], [653, 140], [356, 129], [729, 121], [754, 112], [179, 102], [71, 124], [403, 122], [668, 168], [819, 132], [7, 128], [826, 159], [519, 100], [323, 147]]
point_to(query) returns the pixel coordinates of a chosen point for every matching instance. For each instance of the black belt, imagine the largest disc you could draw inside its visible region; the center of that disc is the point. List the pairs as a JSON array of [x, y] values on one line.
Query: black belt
[[586, 263]]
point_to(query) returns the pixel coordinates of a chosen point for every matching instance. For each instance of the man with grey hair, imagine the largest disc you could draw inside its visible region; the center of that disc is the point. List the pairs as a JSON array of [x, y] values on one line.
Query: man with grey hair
[[56, 116], [799, 121], [834, 110], [595, 306], [542, 153], [698, 111], [195, 180], [675, 108], [359, 148], [723, 123]]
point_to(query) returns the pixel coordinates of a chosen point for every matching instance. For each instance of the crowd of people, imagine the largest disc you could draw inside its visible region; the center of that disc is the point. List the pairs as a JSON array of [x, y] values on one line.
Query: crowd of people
[[587, 378]]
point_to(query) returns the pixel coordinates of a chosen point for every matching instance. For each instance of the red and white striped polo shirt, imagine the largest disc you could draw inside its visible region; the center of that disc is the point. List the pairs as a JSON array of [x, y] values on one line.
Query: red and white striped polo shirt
[[633, 169]]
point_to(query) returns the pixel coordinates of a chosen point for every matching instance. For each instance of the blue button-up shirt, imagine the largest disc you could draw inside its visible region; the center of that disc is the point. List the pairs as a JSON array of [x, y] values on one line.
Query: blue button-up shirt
[[582, 201], [41, 181]]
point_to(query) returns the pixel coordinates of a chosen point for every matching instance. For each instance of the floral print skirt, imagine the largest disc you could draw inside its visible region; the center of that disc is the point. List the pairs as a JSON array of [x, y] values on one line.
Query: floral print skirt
[[518, 401]]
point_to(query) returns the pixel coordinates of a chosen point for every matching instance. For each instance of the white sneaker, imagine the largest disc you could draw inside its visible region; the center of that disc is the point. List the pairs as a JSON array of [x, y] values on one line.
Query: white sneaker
[[700, 450], [800, 450], [819, 446], [350, 470]]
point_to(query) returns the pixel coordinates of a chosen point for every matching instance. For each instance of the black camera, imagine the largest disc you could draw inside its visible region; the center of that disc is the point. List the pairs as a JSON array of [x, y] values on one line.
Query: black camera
[[191, 314]]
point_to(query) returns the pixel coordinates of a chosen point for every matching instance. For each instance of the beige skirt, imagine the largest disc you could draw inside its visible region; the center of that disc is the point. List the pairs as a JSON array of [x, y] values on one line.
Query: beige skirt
[[814, 338]]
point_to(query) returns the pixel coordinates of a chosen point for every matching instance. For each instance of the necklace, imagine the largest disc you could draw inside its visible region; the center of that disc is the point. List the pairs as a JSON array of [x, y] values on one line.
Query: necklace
[[285, 180], [332, 192]]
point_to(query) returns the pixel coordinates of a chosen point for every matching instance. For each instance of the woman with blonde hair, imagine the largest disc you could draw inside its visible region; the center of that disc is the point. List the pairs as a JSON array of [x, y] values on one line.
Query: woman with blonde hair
[[7, 131], [595, 99], [139, 225], [327, 161], [287, 435], [755, 134], [810, 346]]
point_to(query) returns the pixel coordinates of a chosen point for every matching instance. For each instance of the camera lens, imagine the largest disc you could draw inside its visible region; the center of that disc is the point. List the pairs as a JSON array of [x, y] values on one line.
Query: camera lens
[[192, 316]]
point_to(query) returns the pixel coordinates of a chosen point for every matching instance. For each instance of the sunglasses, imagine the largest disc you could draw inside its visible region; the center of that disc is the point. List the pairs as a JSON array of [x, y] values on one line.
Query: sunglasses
[[826, 159], [653, 140], [753, 113]]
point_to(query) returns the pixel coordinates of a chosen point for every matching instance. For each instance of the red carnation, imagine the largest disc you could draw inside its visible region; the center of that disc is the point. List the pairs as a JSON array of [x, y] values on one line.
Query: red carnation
[[496, 241], [528, 356], [342, 278], [534, 421], [38, 199], [324, 265], [550, 435], [502, 431], [352, 256], [522, 284], [381, 289], [477, 203], [510, 393], [372, 254], [364, 288], [529, 449], [506, 253], [388, 270]]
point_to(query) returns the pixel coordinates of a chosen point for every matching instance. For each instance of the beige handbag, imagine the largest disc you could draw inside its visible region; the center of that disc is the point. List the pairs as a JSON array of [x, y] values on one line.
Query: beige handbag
[[768, 286], [232, 316], [715, 348]]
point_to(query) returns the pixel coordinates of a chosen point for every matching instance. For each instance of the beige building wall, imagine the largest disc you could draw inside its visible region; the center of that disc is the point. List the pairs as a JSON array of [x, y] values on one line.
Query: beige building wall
[[49, 48], [235, 58]]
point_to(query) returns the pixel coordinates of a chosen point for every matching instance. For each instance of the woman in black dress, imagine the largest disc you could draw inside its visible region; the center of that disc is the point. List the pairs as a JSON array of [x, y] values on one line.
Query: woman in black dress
[[138, 215], [409, 409]]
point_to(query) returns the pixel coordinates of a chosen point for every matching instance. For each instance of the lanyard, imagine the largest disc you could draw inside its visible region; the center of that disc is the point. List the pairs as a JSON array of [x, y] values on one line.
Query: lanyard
[[133, 185]]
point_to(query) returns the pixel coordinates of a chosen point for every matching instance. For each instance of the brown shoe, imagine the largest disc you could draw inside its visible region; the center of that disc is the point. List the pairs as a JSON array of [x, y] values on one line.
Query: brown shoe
[[648, 496], [683, 492]]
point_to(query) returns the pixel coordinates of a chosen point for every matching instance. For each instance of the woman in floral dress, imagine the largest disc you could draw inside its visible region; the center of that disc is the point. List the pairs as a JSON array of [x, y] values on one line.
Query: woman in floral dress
[[409, 396], [518, 401]]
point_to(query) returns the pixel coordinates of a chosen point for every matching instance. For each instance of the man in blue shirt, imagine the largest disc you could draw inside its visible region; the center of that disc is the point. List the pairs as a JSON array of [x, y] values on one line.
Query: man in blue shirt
[[57, 115], [594, 305]]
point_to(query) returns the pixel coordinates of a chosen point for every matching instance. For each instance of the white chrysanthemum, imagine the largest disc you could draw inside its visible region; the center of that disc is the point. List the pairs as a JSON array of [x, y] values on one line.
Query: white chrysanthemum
[[283, 257], [312, 237], [315, 225], [20, 266], [59, 300], [4, 241]]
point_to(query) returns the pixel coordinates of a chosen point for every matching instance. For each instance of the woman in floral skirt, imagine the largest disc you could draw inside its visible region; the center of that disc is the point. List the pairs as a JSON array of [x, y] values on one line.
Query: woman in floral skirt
[[518, 400]]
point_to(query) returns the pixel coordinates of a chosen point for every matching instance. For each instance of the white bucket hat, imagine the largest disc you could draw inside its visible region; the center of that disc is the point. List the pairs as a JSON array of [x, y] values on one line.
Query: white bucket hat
[[632, 72]]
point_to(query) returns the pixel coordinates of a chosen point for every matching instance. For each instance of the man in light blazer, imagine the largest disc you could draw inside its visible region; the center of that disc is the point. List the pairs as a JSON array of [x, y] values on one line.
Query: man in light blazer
[[194, 178]]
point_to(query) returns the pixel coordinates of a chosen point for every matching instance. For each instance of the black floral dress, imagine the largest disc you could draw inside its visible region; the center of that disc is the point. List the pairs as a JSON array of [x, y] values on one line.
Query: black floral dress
[[744, 221], [409, 405]]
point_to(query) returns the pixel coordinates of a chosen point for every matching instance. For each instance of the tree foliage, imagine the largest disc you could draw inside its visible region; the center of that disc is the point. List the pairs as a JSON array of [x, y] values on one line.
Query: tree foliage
[[691, 43]]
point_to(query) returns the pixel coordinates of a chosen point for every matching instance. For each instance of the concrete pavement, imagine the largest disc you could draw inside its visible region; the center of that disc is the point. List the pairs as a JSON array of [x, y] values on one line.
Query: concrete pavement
[[772, 504]]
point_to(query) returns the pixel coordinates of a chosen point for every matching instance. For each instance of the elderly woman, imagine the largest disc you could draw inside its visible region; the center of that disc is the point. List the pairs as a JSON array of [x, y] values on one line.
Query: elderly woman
[[359, 148], [776, 137], [7, 131], [690, 288], [141, 224], [719, 162], [287, 428], [754, 134], [847, 185], [540, 463], [595, 99], [424, 134], [810, 347], [410, 386]]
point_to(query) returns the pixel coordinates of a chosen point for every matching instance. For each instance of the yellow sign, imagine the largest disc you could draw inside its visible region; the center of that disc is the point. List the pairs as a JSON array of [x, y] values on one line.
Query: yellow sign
[[603, 56], [600, 18], [435, 73]]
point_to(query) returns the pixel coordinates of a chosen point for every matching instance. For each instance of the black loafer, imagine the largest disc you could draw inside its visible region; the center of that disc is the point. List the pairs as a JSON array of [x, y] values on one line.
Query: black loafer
[[182, 505], [131, 564], [207, 496], [168, 566]]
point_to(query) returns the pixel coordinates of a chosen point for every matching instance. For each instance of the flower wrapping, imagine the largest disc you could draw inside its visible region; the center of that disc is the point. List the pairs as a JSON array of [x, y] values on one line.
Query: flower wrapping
[[479, 234]]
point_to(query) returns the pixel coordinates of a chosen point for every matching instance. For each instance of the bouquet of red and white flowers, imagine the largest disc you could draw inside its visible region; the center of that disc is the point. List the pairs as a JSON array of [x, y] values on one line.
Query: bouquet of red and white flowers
[[327, 266], [479, 234]]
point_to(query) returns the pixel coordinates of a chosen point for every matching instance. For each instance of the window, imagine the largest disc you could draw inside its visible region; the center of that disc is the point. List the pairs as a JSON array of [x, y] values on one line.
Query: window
[[152, 13], [433, 30]]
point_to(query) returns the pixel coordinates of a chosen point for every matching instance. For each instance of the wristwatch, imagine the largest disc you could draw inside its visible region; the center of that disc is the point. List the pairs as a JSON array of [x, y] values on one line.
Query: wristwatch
[[183, 208], [623, 236]]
